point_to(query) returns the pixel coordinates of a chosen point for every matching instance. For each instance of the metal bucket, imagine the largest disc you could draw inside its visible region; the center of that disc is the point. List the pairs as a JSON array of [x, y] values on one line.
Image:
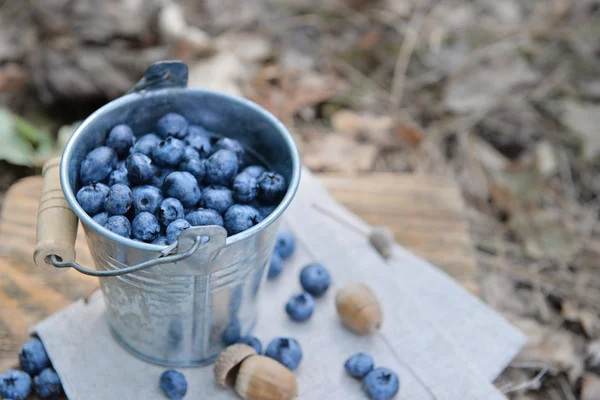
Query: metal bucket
[[174, 310]]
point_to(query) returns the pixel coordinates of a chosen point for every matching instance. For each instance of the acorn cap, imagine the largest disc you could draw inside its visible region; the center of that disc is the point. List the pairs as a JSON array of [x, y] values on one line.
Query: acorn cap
[[228, 362]]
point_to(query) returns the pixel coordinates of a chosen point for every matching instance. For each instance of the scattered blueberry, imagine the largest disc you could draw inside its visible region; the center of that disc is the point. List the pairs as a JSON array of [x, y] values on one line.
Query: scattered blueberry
[[359, 365], [101, 218], [145, 227], [120, 139], [47, 384], [285, 245], [221, 167], [251, 341], [204, 216], [119, 199], [217, 198], [15, 385], [145, 144], [169, 152], [285, 350], [119, 175], [272, 187], [232, 145], [245, 188], [300, 307], [146, 198], [91, 197], [254, 170], [231, 333], [173, 383], [194, 166], [161, 240], [170, 209], [172, 124], [240, 217], [199, 139], [315, 279], [381, 384], [190, 153], [159, 176], [175, 228], [97, 165], [139, 168], [119, 225], [33, 356], [265, 211], [275, 267], [184, 187]]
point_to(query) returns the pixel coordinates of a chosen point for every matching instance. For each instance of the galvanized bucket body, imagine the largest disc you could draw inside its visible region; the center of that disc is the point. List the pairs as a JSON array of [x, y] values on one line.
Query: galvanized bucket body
[[176, 314]]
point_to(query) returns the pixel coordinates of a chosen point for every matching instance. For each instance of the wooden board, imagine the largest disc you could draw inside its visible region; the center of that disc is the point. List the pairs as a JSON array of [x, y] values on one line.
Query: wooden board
[[425, 213]]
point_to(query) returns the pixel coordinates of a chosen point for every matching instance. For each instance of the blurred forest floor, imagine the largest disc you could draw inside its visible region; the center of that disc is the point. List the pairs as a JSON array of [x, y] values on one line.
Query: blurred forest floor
[[500, 97]]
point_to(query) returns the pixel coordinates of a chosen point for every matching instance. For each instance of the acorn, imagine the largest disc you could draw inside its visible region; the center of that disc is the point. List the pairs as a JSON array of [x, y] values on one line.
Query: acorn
[[228, 362], [359, 308], [262, 378]]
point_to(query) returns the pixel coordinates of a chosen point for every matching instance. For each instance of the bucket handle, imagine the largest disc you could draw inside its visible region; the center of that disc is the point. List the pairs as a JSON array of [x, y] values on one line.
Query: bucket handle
[[163, 74]]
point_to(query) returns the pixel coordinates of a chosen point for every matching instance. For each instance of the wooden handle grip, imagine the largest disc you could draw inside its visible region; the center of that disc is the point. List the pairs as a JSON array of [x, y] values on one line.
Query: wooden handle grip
[[56, 222]]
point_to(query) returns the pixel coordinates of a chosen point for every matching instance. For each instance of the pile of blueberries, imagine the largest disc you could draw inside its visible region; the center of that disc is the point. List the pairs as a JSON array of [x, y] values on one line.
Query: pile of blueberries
[[37, 375], [153, 187]]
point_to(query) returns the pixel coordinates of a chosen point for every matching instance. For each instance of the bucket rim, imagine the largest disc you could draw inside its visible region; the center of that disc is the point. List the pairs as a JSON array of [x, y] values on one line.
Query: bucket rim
[[88, 221]]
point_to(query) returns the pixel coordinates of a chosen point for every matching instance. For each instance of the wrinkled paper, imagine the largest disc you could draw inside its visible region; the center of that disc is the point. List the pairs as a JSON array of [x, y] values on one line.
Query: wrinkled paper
[[444, 343]]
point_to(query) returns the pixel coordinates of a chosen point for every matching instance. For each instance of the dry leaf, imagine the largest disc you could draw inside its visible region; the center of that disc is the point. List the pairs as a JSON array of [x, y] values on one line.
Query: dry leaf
[[490, 158], [583, 119], [365, 127], [590, 387], [517, 188], [545, 159], [409, 132], [222, 72], [249, 47], [339, 153]]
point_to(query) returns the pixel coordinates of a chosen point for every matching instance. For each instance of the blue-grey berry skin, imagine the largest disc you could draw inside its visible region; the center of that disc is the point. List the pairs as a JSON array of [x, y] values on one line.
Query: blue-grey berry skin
[[221, 168], [140, 169], [97, 165], [170, 209], [161, 240], [173, 384], [254, 170], [199, 139], [285, 245], [47, 384], [145, 227], [159, 177], [145, 144], [217, 198], [315, 279], [119, 175], [233, 146], [172, 124], [203, 217], [119, 199], [194, 166], [300, 307], [240, 217], [275, 266], [253, 342], [101, 218], [381, 384], [175, 228], [184, 187], [33, 357], [15, 385], [120, 225], [169, 152], [359, 365], [91, 197], [285, 350], [146, 198], [245, 188], [265, 211], [231, 333], [271, 187], [120, 139], [190, 153]]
